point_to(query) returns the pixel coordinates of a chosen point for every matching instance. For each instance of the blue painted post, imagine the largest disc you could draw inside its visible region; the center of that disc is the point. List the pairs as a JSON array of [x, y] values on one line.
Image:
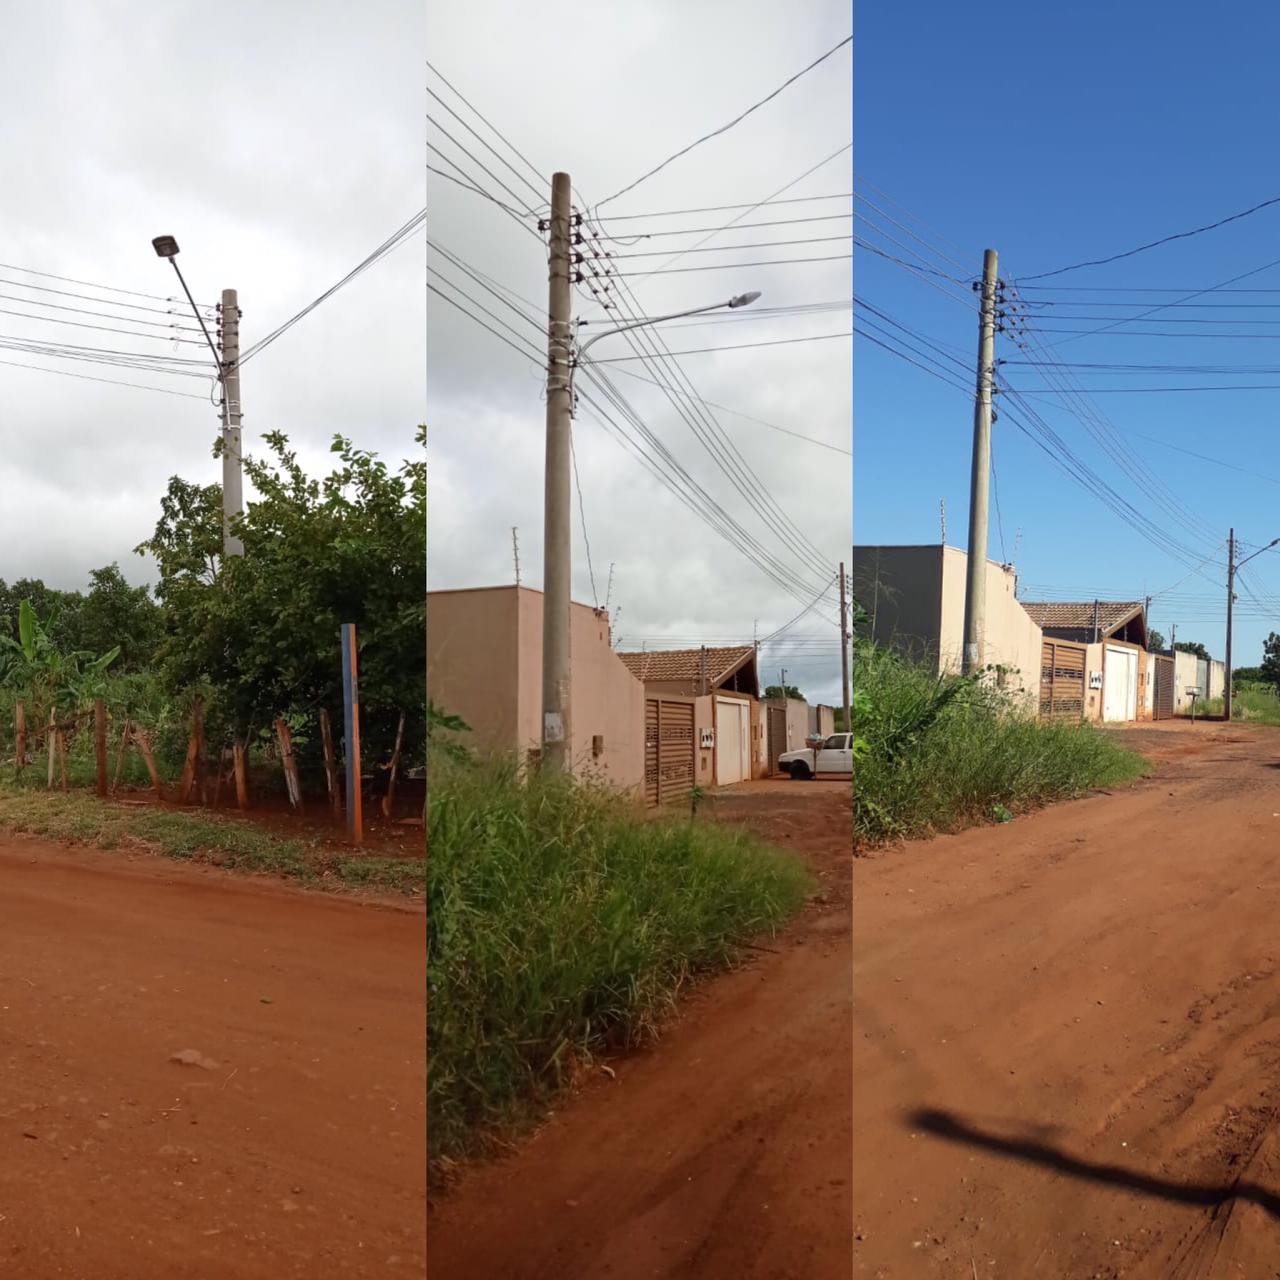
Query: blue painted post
[[351, 723]]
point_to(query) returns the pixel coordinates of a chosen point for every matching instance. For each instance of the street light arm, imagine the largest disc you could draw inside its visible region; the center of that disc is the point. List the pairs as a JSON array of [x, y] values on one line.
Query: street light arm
[[1259, 551], [647, 320], [217, 358]]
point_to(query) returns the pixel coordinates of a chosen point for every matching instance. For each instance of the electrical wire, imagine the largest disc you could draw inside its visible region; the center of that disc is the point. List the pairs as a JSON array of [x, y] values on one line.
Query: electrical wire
[[107, 288], [115, 382], [471, 187], [706, 137], [724, 208], [1142, 248], [730, 248], [582, 511], [737, 346], [393, 242], [729, 266]]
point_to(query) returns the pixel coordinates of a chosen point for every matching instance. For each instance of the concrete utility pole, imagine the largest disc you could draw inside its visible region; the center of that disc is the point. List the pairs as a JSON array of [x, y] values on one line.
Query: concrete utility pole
[[844, 652], [557, 754], [1231, 599], [232, 467], [975, 596]]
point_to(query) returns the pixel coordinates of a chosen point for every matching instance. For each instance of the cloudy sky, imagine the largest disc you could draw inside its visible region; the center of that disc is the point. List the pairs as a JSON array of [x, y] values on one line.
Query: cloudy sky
[[280, 144], [607, 99]]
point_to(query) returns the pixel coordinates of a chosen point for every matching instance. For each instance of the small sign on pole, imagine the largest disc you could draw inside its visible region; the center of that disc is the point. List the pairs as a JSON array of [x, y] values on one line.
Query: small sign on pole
[[351, 720]]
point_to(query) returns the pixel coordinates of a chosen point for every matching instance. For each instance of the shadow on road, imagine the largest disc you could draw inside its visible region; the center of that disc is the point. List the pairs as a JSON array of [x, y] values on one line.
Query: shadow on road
[[942, 1124]]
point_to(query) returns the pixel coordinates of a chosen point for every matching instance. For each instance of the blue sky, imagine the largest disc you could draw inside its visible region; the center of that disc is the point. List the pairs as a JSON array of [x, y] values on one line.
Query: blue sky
[[1058, 134]]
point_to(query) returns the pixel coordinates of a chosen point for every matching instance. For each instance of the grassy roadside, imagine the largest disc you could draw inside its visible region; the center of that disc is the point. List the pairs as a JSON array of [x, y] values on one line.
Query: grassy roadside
[[1250, 706], [559, 923], [945, 753], [197, 836]]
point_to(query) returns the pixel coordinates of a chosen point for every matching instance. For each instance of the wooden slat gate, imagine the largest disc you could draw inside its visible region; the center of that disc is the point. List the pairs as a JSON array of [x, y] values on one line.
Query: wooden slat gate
[[668, 750], [1062, 677], [1164, 689]]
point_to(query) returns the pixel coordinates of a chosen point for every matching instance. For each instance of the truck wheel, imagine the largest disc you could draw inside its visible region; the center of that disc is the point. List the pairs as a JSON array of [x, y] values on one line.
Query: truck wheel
[[800, 771]]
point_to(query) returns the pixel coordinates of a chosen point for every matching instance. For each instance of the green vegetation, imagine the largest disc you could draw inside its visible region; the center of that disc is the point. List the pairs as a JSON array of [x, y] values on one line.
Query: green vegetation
[[561, 922], [197, 836], [1255, 702], [943, 753]]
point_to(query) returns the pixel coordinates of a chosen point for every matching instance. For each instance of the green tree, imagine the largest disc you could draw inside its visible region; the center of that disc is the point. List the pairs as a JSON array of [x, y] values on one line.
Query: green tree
[[1270, 669], [262, 629], [114, 613], [1155, 642], [776, 691], [1192, 646]]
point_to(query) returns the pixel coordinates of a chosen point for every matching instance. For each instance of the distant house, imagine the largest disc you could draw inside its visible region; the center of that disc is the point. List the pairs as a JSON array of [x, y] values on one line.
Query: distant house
[[722, 689], [1092, 621]]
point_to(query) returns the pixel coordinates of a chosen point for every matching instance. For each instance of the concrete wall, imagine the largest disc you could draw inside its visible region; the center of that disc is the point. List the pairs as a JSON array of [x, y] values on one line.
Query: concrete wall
[[1186, 676], [1011, 639], [901, 590], [822, 719], [484, 663], [1092, 696], [474, 664], [914, 598], [704, 719]]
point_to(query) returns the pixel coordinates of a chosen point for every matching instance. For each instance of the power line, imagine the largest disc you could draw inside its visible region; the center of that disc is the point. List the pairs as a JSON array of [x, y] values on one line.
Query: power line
[[471, 187], [582, 511], [101, 328], [741, 226], [48, 275], [115, 382], [394, 241], [736, 346], [724, 208], [732, 248], [1142, 248], [729, 266], [726, 127]]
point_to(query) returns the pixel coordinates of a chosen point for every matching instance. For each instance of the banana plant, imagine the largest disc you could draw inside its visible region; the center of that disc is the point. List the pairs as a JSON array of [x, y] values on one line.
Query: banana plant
[[50, 677]]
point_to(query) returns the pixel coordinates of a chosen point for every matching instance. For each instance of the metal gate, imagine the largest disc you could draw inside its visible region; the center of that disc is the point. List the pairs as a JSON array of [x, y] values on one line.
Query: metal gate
[[1062, 670], [1164, 689], [668, 750]]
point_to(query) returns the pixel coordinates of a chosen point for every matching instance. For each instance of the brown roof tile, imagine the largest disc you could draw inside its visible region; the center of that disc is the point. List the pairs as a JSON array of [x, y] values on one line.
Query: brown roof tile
[[1111, 613], [686, 664]]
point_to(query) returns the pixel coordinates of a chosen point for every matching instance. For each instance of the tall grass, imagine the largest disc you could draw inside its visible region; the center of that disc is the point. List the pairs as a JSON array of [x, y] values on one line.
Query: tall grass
[[1252, 704], [560, 922], [945, 753]]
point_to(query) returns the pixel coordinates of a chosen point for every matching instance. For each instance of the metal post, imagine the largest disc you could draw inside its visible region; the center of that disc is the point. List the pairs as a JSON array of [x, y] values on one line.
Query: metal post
[[702, 671], [844, 653], [232, 478], [1231, 599], [975, 599], [556, 543], [1095, 622], [351, 723]]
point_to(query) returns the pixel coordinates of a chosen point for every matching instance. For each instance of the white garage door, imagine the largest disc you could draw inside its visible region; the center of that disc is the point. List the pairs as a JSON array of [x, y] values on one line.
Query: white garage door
[[733, 741], [1120, 684]]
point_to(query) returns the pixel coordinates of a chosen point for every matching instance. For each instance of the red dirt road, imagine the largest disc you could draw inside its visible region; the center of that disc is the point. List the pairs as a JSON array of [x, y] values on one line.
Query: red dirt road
[[1067, 1033], [297, 1149], [723, 1152]]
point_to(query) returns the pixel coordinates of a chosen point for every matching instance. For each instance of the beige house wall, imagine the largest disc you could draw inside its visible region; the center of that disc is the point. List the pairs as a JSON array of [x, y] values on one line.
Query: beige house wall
[[484, 663]]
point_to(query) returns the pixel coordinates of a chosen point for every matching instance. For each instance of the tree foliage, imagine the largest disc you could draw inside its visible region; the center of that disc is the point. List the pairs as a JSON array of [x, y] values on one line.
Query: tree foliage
[[1270, 669], [1192, 646], [1155, 642], [262, 630]]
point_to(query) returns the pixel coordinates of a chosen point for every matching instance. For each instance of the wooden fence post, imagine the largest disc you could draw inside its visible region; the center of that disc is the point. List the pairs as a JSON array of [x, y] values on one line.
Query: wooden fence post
[[194, 751], [61, 736], [100, 744], [124, 743], [330, 768], [51, 737], [294, 787], [389, 799], [351, 717], [20, 727], [242, 779], [144, 745]]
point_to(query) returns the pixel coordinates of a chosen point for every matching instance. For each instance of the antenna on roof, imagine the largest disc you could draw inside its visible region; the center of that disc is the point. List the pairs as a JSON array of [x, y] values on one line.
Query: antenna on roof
[[942, 516], [515, 551]]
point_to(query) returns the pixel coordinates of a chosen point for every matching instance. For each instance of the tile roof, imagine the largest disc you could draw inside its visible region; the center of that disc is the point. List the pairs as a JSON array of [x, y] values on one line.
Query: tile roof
[[1111, 613], [686, 664]]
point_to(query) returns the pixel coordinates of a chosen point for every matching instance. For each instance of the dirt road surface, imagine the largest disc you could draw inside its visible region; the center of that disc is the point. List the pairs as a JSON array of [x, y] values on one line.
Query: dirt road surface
[[1067, 1033], [722, 1153], [293, 1141]]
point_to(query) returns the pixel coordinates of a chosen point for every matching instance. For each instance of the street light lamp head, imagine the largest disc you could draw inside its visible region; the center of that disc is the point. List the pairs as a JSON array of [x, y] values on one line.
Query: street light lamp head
[[744, 299], [165, 246]]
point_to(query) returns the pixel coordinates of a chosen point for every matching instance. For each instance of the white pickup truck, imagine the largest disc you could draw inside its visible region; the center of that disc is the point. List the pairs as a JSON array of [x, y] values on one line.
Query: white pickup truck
[[834, 756]]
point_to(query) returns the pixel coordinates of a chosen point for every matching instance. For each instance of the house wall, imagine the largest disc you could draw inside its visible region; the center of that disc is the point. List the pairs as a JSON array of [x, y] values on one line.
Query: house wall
[[900, 588], [1011, 639], [474, 664], [1186, 675], [484, 663], [607, 700], [704, 720], [822, 719]]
